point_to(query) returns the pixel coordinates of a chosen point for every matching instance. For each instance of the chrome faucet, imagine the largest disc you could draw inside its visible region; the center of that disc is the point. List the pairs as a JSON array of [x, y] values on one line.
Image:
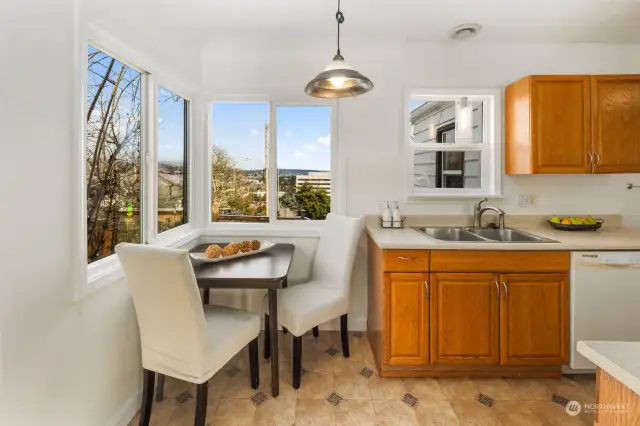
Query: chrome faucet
[[478, 211]]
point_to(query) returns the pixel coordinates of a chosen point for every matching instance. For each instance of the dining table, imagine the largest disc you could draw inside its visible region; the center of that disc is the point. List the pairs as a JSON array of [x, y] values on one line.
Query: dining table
[[265, 270]]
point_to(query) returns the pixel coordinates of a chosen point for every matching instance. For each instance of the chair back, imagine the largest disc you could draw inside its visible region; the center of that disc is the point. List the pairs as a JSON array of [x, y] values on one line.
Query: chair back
[[333, 262], [168, 306]]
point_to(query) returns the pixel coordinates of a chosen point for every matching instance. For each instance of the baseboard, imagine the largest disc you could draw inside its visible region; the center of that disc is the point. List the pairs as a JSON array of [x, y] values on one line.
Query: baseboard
[[127, 411]]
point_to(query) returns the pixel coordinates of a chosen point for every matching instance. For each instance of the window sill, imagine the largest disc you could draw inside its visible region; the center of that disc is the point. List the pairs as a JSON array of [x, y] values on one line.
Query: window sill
[[421, 198]]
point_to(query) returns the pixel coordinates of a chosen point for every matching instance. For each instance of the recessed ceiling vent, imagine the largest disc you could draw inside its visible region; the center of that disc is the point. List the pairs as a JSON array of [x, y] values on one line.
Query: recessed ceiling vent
[[464, 31]]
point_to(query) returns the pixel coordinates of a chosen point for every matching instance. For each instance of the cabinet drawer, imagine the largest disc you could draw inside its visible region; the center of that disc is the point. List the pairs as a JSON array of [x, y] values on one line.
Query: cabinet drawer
[[499, 261], [406, 260]]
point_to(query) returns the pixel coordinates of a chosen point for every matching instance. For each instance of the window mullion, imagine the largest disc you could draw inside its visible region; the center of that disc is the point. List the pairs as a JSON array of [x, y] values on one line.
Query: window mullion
[[272, 190], [149, 206]]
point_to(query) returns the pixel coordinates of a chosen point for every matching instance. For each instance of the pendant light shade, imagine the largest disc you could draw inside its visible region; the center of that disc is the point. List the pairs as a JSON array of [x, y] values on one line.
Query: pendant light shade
[[338, 80]]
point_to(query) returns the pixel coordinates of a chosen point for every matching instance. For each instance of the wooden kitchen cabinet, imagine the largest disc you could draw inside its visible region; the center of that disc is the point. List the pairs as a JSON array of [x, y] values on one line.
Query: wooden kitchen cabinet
[[615, 101], [407, 317], [534, 319], [464, 318], [573, 124]]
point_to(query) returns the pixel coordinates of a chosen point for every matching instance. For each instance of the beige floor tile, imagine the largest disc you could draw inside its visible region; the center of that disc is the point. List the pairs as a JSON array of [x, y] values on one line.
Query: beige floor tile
[[587, 381], [234, 412], [553, 414], [386, 388], [275, 412], [314, 412], [459, 389], [424, 389], [351, 386], [472, 413], [571, 390], [435, 413], [161, 412], [355, 413], [516, 413], [315, 386], [341, 364], [531, 389], [286, 385], [394, 413], [239, 386], [497, 389]]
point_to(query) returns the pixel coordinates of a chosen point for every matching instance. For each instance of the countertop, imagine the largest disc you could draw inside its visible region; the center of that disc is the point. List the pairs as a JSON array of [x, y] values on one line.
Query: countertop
[[612, 236], [619, 359]]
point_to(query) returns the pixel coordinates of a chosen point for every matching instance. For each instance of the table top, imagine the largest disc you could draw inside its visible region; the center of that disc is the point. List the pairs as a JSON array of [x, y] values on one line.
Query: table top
[[266, 270]]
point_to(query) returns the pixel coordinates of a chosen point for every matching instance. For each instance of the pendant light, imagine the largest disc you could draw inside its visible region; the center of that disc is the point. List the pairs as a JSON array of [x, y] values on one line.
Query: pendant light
[[338, 80]]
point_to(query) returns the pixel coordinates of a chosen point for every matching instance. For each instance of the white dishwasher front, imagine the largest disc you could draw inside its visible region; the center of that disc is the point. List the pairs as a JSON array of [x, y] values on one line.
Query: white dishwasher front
[[605, 300]]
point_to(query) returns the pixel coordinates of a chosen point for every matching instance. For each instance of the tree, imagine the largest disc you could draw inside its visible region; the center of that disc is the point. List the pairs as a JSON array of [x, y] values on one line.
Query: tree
[[229, 186], [315, 201]]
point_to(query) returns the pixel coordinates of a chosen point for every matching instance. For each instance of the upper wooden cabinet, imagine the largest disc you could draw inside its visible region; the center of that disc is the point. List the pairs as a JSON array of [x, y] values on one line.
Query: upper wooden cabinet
[[572, 124]]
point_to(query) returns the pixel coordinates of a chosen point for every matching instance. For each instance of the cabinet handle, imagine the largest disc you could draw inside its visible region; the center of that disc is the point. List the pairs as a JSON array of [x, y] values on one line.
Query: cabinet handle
[[599, 160], [426, 289], [506, 289], [405, 258], [497, 288], [590, 156]]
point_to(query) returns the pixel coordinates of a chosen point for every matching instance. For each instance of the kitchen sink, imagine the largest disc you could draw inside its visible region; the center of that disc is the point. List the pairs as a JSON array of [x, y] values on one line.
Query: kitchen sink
[[481, 235]]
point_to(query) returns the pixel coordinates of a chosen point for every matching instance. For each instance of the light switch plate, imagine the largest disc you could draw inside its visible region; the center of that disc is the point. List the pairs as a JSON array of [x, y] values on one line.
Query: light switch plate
[[525, 200]]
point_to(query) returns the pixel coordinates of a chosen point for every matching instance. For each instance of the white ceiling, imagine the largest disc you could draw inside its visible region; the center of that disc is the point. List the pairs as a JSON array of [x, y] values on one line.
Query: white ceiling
[[504, 21]]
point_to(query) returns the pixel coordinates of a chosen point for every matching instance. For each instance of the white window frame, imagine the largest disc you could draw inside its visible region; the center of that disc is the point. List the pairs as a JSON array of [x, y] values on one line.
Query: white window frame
[[491, 148], [275, 227]]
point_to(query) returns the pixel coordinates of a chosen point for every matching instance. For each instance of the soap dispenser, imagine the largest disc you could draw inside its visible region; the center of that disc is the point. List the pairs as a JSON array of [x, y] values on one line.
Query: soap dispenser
[[386, 216]]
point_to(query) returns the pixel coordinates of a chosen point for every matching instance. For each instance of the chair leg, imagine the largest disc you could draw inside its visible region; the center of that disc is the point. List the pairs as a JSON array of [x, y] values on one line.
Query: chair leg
[[297, 361], [149, 378], [160, 388], [267, 338], [344, 334], [253, 363], [201, 404], [316, 332]]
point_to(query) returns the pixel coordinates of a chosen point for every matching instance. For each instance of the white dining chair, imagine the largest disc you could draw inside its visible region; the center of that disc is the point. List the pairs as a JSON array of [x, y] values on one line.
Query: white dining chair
[[326, 295], [178, 336]]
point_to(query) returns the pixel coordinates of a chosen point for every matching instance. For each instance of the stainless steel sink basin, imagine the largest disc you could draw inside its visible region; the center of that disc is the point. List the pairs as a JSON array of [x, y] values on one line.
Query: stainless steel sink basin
[[480, 235]]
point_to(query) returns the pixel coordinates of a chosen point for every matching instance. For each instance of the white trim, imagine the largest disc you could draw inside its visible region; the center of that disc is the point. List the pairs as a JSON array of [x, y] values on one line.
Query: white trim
[[127, 411], [314, 230]]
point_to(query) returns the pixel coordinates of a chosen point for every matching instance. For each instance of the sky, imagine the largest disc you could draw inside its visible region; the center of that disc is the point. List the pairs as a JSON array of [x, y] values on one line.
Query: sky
[[303, 134], [170, 127]]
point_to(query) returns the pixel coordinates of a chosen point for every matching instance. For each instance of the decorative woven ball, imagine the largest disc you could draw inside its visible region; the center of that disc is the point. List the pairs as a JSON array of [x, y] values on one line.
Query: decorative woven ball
[[255, 245], [213, 251], [234, 247], [245, 246], [227, 251]]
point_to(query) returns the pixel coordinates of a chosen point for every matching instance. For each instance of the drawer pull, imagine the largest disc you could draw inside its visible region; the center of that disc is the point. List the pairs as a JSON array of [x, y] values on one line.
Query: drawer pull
[[497, 288], [506, 289], [405, 258], [426, 289]]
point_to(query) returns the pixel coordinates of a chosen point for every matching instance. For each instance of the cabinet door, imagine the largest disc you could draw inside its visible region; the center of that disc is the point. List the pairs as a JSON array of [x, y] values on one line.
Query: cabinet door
[[407, 316], [560, 124], [464, 318], [615, 103], [534, 319]]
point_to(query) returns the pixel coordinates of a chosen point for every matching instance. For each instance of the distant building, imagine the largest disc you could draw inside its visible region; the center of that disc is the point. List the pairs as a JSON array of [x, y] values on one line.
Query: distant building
[[319, 180]]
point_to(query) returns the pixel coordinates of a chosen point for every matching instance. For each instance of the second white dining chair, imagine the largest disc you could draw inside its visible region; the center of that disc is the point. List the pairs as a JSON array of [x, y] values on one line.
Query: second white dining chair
[[178, 336], [326, 295]]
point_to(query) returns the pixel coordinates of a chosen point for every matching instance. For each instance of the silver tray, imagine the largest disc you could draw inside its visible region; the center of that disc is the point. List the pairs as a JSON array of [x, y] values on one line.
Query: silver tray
[[202, 257]]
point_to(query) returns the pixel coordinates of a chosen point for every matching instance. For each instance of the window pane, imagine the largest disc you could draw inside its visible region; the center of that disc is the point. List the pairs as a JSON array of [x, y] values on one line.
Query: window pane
[[113, 146], [304, 162], [240, 162], [446, 169], [447, 121], [172, 160]]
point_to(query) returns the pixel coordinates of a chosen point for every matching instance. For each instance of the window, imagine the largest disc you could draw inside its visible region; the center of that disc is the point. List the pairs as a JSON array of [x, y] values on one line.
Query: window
[[454, 147], [173, 127], [247, 185], [112, 154]]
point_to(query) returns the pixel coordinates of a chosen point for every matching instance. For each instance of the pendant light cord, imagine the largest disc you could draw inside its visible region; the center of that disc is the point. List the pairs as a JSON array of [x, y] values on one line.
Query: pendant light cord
[[340, 19]]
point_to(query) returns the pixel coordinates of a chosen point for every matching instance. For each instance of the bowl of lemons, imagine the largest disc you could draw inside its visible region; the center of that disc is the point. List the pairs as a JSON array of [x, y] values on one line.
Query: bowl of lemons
[[575, 223]]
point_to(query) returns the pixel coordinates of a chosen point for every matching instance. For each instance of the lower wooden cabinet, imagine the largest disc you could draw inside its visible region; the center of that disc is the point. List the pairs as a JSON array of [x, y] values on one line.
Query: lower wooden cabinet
[[407, 318], [534, 319], [464, 318]]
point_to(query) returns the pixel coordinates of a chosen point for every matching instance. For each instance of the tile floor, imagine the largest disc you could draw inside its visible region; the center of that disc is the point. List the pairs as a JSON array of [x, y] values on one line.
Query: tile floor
[[347, 392]]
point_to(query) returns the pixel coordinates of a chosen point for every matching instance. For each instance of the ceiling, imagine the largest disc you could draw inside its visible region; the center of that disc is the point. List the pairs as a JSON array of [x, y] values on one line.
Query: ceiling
[[504, 21]]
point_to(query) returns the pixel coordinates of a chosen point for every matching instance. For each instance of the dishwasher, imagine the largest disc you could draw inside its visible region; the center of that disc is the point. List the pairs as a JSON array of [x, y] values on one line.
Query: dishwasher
[[605, 300]]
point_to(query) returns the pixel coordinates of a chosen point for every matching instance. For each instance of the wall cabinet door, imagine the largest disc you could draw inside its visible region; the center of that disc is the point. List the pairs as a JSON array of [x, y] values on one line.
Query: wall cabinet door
[[615, 103], [534, 319], [407, 318], [464, 318], [560, 124]]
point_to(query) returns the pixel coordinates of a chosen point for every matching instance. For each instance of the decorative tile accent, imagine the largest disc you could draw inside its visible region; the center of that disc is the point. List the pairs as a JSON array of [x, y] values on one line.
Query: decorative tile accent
[[561, 400], [366, 373], [410, 400], [485, 400], [334, 399], [259, 398], [357, 334], [332, 351], [183, 397], [233, 371]]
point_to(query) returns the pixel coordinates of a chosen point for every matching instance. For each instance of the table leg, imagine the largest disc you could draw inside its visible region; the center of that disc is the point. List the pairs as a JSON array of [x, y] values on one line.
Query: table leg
[[205, 296], [284, 285], [273, 331]]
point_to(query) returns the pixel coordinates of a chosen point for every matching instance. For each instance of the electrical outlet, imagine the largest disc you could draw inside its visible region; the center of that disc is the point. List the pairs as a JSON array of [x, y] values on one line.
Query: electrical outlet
[[525, 200]]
